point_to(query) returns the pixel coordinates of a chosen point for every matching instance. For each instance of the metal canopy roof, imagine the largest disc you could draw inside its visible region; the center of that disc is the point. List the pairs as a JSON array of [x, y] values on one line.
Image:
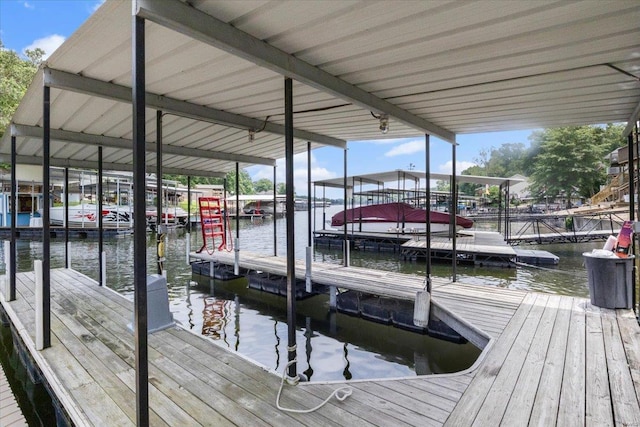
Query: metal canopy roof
[[439, 67], [401, 176]]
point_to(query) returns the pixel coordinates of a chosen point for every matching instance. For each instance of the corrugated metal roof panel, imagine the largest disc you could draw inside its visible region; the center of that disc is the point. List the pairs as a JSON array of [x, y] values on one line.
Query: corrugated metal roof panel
[[466, 67]]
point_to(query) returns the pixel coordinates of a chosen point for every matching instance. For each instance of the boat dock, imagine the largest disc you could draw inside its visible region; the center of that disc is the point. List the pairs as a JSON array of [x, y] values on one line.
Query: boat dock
[[546, 360], [560, 237], [480, 248], [10, 412]]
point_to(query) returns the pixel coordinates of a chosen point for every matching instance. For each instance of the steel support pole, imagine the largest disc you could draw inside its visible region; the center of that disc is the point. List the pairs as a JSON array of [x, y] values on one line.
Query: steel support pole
[[634, 289], [189, 205], [46, 224], [236, 244], [100, 220], [160, 193], [309, 193], [14, 218], [67, 262], [290, 206], [632, 206], [427, 142], [454, 211], [139, 225], [631, 211], [345, 246], [237, 189], [275, 203]]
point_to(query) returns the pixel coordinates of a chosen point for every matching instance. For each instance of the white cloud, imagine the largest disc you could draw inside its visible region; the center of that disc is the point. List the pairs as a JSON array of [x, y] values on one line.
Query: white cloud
[[28, 5], [49, 44], [97, 5], [406, 148], [460, 166]]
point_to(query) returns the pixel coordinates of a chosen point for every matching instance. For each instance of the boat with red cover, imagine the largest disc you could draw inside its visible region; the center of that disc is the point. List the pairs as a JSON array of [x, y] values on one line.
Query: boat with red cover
[[395, 217]]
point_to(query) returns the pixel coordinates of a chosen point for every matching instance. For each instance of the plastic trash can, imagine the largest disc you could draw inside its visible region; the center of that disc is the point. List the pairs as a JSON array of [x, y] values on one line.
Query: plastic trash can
[[610, 282]]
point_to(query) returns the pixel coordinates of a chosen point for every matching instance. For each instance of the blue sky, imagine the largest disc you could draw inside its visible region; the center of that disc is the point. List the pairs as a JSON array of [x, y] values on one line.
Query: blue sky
[[47, 23]]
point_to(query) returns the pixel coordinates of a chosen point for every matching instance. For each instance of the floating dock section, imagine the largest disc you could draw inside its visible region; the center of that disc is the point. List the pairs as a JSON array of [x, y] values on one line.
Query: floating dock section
[[546, 360]]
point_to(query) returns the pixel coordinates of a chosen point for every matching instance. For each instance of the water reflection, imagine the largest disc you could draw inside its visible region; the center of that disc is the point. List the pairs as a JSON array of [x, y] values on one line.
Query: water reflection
[[336, 346]]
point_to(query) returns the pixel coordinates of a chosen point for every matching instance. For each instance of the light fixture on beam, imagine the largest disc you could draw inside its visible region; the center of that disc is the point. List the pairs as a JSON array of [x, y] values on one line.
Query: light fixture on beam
[[384, 123]]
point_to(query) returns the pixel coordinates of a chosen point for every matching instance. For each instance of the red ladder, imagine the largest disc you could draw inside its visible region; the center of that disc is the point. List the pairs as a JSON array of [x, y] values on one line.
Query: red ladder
[[211, 222]]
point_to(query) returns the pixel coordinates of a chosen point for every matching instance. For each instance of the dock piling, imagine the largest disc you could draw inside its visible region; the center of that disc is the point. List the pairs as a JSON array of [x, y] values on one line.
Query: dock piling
[[7, 267], [307, 275], [236, 264]]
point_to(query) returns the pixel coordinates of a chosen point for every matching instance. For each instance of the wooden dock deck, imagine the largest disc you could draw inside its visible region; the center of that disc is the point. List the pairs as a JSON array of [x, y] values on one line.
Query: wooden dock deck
[[10, 412], [549, 360]]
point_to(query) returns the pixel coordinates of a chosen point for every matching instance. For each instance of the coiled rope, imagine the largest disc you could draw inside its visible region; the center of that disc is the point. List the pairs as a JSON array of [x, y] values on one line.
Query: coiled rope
[[340, 393]]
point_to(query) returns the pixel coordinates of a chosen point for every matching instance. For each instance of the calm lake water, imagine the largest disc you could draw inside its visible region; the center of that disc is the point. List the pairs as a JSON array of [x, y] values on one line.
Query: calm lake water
[[330, 346]]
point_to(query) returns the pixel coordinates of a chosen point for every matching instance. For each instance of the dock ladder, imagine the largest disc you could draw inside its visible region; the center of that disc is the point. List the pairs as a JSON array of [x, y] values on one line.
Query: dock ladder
[[211, 222]]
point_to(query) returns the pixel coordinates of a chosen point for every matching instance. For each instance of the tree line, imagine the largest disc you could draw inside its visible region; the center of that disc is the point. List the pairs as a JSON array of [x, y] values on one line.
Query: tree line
[[568, 161]]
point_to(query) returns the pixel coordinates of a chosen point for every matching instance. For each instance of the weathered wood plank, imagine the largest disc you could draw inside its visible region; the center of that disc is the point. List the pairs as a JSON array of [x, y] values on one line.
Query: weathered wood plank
[[545, 406], [571, 411], [505, 381], [630, 334], [626, 408], [10, 413], [598, 398], [472, 401], [521, 399], [414, 411]]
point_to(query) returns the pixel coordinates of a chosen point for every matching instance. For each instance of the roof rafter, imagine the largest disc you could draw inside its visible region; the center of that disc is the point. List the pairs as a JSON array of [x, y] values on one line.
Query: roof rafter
[[187, 20], [68, 81], [111, 142], [89, 164]]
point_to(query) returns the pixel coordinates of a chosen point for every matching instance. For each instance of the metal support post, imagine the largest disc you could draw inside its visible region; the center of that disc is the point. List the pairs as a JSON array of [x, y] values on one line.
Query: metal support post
[[139, 225], [46, 220], [291, 260]]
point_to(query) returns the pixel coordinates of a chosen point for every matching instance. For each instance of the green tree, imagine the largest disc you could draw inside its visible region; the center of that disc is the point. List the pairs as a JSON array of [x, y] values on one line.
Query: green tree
[[245, 183], [504, 161], [15, 76], [263, 185], [282, 188], [442, 185], [568, 161]]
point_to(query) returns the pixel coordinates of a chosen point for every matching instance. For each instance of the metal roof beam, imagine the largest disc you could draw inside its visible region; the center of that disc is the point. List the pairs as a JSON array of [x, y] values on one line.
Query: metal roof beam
[[188, 20], [111, 142], [89, 164], [632, 121], [68, 81]]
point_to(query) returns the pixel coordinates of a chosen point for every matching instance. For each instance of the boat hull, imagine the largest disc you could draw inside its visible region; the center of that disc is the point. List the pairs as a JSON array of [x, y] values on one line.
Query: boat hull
[[86, 216]]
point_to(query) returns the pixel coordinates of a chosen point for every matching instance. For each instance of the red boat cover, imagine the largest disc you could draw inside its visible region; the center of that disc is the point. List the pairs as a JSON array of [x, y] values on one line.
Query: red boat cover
[[394, 212]]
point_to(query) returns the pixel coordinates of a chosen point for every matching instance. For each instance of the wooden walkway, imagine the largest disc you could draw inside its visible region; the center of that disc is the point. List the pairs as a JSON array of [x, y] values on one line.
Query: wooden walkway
[[10, 413], [550, 360]]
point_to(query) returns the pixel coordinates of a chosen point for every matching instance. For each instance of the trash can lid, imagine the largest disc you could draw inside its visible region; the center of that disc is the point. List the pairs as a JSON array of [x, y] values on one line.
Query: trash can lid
[[601, 253]]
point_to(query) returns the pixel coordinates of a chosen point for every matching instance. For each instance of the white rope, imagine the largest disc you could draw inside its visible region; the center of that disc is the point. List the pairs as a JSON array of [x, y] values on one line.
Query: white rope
[[340, 393]]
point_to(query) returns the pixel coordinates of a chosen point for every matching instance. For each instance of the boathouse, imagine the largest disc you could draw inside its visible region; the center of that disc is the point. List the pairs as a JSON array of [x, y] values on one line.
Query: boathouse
[[206, 87]]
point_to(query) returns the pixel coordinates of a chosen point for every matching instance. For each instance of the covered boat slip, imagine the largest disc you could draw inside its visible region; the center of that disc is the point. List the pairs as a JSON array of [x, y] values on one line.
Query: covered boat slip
[[206, 87], [552, 360]]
